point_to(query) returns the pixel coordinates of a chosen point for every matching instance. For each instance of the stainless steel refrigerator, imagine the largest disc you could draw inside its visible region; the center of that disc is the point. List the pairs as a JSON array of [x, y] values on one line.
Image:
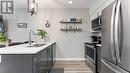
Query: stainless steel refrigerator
[[115, 52]]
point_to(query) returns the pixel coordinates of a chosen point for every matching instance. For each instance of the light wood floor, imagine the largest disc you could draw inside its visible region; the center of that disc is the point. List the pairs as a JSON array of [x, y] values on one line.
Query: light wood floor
[[73, 66]]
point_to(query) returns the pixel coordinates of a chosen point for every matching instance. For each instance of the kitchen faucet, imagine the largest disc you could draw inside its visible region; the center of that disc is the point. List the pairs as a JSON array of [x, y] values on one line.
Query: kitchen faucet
[[30, 37]]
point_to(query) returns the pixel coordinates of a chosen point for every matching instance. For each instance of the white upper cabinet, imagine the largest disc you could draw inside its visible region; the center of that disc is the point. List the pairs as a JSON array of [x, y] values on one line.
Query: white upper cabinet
[[97, 7]]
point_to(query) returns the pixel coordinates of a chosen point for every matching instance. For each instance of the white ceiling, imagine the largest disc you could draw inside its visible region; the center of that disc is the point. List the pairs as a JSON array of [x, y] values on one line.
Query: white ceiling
[[56, 3]]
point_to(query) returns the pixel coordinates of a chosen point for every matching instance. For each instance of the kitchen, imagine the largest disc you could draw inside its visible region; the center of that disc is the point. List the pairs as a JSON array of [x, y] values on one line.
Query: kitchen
[[70, 36]]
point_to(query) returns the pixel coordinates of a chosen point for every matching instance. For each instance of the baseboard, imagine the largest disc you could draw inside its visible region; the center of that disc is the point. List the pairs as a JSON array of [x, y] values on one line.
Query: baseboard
[[69, 59]]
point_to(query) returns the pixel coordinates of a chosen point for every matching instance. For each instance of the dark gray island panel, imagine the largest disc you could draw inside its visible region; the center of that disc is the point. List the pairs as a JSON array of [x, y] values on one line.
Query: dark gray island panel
[[40, 62], [16, 64]]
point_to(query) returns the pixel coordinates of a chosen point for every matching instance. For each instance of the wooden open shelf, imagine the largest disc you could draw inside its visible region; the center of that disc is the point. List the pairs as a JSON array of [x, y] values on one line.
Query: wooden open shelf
[[72, 22], [69, 22]]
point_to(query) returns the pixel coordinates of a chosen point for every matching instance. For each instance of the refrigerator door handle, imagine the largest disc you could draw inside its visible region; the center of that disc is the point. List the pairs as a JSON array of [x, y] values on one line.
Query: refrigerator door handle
[[112, 34], [109, 66], [117, 32]]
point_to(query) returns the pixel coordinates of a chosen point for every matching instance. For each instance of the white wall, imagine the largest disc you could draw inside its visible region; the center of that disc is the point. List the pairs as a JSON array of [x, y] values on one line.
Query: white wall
[[69, 45], [18, 34]]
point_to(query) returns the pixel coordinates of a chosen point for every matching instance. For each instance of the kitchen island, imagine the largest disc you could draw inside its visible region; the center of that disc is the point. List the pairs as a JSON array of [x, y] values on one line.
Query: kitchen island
[[27, 59]]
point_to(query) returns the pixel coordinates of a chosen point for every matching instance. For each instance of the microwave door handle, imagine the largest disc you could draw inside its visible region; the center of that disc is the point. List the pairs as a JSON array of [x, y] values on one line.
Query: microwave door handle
[[117, 32], [100, 21], [112, 34]]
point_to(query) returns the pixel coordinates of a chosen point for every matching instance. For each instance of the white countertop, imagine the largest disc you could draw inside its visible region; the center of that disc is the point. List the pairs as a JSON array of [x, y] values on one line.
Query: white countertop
[[23, 49]]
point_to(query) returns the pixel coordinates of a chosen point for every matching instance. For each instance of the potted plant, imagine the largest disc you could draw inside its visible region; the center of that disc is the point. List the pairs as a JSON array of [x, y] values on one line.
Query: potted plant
[[42, 34], [3, 39]]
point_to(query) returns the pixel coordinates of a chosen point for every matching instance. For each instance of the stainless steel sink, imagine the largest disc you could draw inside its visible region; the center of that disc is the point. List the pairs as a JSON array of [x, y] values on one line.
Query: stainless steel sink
[[36, 45]]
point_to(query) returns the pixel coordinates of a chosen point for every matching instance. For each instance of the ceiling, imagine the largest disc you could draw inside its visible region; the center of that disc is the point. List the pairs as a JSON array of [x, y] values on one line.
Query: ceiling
[[56, 3]]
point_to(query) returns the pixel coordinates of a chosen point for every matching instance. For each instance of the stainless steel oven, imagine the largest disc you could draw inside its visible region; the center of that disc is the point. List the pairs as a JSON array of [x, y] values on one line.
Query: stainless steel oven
[[90, 52], [90, 56]]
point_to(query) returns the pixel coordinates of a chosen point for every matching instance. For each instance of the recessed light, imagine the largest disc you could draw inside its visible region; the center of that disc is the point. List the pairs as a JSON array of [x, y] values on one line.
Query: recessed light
[[70, 2]]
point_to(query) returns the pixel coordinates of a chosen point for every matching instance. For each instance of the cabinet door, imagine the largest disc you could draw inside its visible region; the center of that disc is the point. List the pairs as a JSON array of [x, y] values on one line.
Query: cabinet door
[[43, 57], [40, 62], [49, 57], [52, 54]]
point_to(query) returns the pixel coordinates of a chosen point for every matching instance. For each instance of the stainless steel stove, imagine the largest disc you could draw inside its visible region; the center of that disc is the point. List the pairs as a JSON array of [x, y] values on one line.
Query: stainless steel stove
[[92, 56]]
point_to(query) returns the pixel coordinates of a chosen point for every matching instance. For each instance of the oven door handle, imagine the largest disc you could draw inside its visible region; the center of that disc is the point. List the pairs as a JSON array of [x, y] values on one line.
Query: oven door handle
[[90, 46]]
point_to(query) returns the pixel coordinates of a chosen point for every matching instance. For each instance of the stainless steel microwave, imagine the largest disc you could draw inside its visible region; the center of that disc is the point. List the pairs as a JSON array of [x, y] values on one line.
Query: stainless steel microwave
[[96, 23]]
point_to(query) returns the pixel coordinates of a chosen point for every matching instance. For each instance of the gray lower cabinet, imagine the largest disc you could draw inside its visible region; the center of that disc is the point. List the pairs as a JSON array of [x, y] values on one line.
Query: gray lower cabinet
[[40, 62], [35, 63]]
